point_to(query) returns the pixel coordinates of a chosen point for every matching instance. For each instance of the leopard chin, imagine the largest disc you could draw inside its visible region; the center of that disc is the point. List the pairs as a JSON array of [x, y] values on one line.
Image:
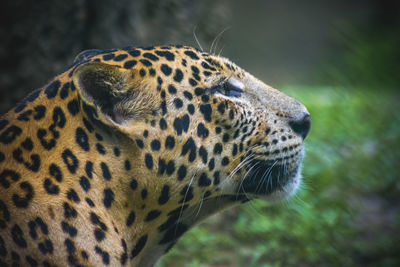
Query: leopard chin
[[272, 180]]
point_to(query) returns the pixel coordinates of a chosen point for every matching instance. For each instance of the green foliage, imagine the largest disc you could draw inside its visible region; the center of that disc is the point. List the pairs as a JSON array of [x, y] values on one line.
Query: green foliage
[[369, 57], [346, 213]]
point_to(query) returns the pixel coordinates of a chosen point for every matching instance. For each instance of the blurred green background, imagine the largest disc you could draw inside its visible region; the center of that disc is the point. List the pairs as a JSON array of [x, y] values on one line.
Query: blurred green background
[[340, 58]]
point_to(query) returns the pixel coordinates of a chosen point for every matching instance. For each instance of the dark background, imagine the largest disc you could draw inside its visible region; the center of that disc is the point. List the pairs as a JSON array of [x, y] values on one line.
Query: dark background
[[340, 58], [279, 41]]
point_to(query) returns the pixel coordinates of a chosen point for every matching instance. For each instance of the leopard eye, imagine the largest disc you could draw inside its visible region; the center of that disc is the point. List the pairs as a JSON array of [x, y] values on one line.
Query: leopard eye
[[230, 87], [233, 87]]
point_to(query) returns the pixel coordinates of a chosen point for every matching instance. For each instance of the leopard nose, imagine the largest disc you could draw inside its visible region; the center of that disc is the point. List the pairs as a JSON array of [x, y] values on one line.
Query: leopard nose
[[301, 124]]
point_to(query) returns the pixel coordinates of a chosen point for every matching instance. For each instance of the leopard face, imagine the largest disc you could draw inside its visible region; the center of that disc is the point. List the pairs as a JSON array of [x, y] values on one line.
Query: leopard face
[[107, 163]]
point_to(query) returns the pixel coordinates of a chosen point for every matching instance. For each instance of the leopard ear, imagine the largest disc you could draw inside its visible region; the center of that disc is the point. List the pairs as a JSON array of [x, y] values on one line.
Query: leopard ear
[[113, 91]]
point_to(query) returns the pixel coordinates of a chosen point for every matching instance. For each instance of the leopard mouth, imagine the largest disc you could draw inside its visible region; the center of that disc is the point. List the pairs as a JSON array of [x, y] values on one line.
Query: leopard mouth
[[273, 179]]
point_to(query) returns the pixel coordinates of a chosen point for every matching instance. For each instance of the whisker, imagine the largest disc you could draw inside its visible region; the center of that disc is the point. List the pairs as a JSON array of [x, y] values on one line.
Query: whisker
[[266, 176], [285, 169], [200, 205], [197, 40], [240, 165], [220, 51], [244, 177], [184, 198], [246, 161], [269, 178], [216, 39]]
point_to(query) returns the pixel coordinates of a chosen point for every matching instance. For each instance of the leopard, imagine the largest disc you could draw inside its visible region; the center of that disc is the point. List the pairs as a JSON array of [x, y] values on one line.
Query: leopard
[[114, 159]]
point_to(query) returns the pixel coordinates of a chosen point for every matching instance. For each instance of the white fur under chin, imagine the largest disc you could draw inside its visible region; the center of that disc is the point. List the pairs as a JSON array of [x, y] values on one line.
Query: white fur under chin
[[287, 191], [290, 188]]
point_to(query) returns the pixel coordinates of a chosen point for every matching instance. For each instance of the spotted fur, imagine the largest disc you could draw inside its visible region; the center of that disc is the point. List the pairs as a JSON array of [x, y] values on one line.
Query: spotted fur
[[114, 159]]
